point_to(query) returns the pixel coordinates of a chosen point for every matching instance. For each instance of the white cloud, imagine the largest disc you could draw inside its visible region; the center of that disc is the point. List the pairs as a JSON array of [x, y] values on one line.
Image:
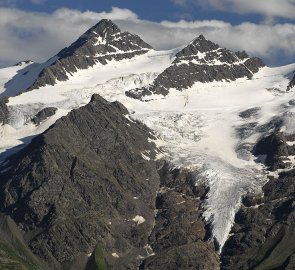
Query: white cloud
[[268, 8], [38, 36], [258, 39]]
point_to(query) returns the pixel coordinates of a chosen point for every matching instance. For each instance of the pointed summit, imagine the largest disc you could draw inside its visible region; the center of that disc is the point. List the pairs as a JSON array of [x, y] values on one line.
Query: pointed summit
[[206, 52], [104, 27], [104, 38], [101, 43], [201, 37], [199, 44]]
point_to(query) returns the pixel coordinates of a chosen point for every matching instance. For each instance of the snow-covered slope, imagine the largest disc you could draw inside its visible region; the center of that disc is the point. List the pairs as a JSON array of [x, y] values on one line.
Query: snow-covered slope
[[209, 127], [6, 75], [16, 79]]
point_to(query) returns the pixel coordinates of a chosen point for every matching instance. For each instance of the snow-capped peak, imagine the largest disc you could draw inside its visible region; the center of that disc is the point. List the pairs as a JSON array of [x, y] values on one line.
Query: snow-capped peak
[[200, 61], [102, 43], [201, 44]]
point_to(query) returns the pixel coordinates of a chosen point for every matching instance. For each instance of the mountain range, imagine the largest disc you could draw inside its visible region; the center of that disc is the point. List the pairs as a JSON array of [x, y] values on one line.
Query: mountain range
[[116, 156]]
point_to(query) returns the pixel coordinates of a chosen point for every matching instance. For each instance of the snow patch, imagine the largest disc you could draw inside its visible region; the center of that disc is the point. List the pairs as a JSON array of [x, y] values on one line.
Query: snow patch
[[145, 156], [139, 219], [115, 255], [100, 41], [291, 143]]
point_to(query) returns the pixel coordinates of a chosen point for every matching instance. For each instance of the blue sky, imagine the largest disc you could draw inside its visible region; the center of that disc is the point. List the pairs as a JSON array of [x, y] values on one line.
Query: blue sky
[[38, 29], [154, 10]]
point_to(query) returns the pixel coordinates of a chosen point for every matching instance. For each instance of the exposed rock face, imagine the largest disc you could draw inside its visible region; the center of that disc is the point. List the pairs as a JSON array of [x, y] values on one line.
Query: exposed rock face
[[201, 61], [263, 234], [249, 113], [275, 149], [26, 62], [291, 84], [77, 188], [43, 115], [101, 43], [179, 238], [4, 113]]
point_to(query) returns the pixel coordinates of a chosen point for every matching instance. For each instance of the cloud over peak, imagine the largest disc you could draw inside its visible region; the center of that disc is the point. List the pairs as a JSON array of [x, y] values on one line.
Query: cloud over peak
[[38, 36]]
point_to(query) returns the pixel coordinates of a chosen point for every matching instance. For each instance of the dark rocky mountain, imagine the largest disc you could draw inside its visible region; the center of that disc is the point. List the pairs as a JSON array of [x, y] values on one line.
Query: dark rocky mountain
[[264, 230], [101, 43], [201, 61], [179, 238], [84, 195], [73, 189]]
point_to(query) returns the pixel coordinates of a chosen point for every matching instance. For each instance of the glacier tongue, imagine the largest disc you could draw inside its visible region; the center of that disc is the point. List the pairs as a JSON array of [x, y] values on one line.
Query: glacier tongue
[[180, 135]]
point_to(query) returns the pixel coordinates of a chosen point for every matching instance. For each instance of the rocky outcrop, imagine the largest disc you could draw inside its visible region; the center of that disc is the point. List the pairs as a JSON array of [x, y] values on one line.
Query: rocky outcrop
[[201, 61], [249, 113], [179, 239], [275, 149], [43, 115], [291, 84], [263, 234], [26, 62], [4, 113], [101, 43], [85, 186]]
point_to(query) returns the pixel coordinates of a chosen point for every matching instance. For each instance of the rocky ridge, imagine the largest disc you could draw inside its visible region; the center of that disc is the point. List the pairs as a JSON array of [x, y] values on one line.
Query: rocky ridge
[[102, 43], [4, 112], [201, 61]]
